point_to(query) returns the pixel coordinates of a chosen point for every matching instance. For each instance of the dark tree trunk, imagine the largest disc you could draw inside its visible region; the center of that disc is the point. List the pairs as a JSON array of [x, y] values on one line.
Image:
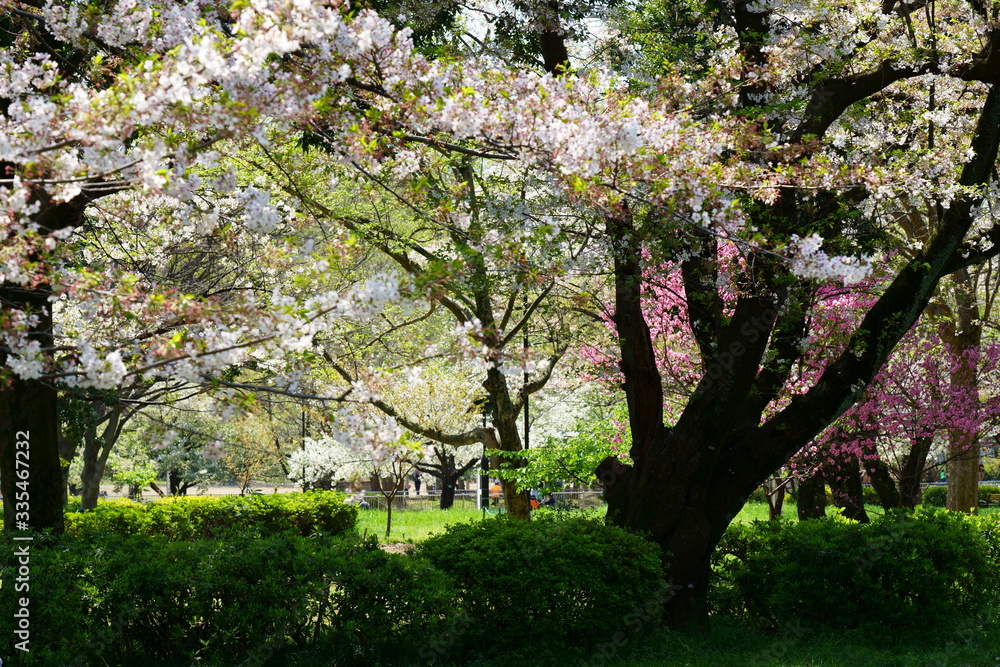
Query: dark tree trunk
[[508, 440], [31, 476], [888, 495], [552, 43], [774, 493], [848, 492], [175, 485], [446, 472], [67, 452], [96, 450], [811, 499], [448, 493], [29, 411], [914, 467]]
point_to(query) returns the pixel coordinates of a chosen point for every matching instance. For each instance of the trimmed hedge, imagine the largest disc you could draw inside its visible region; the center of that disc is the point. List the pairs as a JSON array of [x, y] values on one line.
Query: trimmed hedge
[[188, 518], [937, 496], [146, 600], [559, 580], [908, 571]]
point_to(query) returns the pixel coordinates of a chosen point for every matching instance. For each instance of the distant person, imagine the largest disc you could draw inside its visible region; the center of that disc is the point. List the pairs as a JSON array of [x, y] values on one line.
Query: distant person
[[495, 492], [416, 482], [549, 501]]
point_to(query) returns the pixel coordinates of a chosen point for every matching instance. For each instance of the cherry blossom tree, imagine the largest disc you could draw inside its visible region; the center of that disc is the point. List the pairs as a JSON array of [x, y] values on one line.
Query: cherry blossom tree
[[822, 93]]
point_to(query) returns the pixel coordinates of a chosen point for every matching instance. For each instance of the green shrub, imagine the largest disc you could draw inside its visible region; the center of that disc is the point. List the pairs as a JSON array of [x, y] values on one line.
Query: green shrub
[[934, 496], [388, 608], [937, 496], [204, 517], [904, 570], [555, 579], [147, 600]]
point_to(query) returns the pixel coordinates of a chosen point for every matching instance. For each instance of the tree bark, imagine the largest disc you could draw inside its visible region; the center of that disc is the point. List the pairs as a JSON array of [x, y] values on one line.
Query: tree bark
[[914, 467], [96, 450], [447, 494], [811, 500], [175, 486], [29, 410], [446, 472], [964, 337], [848, 492], [31, 476], [888, 495], [774, 491]]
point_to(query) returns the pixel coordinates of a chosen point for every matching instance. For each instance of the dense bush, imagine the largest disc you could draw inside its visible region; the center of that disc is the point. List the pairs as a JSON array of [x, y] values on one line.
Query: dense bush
[[555, 579], [903, 570], [937, 496], [146, 600], [202, 517]]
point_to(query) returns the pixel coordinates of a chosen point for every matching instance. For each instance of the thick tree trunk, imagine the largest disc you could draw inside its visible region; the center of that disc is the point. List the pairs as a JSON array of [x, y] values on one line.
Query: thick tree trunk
[[508, 439], [964, 337], [29, 411], [963, 476], [177, 486], [448, 491], [888, 495], [90, 487], [31, 476]]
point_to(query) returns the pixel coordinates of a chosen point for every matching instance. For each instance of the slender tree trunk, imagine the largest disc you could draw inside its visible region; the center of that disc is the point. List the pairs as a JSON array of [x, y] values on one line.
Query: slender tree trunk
[[811, 499], [914, 467], [67, 452], [848, 493], [96, 450], [774, 491]]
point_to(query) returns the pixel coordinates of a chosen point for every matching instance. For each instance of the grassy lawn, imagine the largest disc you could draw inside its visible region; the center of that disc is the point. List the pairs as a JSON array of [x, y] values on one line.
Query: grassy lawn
[[418, 525], [412, 525]]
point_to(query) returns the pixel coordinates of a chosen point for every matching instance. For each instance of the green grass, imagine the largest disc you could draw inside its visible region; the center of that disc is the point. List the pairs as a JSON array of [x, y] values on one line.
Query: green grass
[[412, 525]]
